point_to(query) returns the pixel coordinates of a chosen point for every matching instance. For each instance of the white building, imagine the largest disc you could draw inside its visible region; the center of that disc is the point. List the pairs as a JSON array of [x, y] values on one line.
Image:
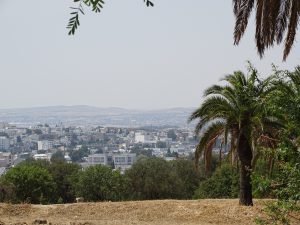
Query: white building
[[42, 157], [4, 143], [45, 145], [124, 161], [5, 159], [166, 139], [97, 159], [121, 161], [142, 138]]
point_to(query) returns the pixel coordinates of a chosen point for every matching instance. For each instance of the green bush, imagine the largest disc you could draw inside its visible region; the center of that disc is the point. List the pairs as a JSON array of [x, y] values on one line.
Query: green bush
[[32, 184], [64, 175], [262, 177], [222, 184], [7, 191], [101, 183], [154, 178], [189, 176], [285, 187]]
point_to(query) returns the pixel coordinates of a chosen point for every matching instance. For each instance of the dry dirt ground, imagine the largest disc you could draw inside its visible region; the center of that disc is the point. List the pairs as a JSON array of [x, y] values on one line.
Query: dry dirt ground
[[162, 212]]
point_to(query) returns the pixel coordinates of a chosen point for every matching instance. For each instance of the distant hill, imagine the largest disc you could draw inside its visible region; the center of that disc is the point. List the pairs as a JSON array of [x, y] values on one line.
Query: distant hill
[[82, 114]]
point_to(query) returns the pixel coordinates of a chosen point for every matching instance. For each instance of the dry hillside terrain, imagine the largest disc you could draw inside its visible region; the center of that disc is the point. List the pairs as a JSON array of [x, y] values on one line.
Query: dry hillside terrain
[[162, 212]]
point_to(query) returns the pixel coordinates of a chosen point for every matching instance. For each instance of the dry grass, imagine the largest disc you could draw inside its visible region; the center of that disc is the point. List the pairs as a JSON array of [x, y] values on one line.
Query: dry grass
[[161, 212]]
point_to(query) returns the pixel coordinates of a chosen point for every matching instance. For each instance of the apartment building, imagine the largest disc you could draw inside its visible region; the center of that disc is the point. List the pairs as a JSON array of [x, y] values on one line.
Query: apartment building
[[5, 159], [45, 145], [121, 161], [4, 143]]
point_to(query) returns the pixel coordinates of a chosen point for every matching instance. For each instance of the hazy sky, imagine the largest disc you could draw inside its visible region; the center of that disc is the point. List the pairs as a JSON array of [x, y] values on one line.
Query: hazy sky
[[128, 56]]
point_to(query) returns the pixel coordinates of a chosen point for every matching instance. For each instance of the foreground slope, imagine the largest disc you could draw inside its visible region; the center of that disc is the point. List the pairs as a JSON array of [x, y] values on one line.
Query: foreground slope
[[162, 212]]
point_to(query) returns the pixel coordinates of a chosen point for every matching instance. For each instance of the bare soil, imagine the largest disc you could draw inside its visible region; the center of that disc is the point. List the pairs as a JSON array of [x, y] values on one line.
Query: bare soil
[[161, 212]]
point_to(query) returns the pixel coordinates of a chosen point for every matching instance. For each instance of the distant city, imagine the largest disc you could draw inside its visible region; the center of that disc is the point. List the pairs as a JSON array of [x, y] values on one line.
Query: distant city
[[89, 136]]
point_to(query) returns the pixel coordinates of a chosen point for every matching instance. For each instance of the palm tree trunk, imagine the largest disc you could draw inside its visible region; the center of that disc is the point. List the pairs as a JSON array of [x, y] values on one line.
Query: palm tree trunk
[[245, 157], [220, 154]]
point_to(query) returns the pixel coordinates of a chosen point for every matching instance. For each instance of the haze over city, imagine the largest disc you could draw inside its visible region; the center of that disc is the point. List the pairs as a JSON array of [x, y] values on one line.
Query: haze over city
[[128, 56]]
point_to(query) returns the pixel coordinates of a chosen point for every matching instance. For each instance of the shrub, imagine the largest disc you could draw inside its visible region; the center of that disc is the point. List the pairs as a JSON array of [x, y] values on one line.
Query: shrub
[[154, 178], [7, 191], [190, 177], [32, 183], [101, 183], [222, 184]]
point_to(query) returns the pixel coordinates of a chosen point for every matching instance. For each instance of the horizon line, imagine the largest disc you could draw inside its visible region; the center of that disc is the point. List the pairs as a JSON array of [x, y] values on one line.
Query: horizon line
[[98, 107]]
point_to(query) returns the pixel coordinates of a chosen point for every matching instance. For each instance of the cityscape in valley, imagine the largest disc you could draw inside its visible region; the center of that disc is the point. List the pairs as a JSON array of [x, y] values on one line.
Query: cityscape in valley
[[34, 135], [154, 112]]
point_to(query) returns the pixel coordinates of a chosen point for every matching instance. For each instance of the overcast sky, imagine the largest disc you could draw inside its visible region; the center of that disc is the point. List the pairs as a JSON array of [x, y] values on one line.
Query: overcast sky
[[127, 56]]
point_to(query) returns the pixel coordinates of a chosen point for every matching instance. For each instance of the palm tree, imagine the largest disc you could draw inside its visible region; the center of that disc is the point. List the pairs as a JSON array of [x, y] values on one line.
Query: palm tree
[[237, 110], [273, 18], [287, 100], [293, 95]]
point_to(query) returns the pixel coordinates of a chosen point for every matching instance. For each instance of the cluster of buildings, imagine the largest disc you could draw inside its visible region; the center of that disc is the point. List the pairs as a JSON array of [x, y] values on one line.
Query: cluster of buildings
[[111, 146]]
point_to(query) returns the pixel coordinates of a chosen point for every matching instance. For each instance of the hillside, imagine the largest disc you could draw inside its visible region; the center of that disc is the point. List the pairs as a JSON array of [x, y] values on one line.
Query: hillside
[[89, 115], [162, 212]]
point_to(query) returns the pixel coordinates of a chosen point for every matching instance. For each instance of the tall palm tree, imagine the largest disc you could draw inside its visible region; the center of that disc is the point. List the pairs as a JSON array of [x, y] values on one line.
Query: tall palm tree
[[273, 18], [237, 110]]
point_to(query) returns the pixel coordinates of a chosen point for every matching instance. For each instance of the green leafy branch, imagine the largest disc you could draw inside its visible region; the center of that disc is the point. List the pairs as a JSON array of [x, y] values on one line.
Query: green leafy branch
[[74, 20], [96, 6], [149, 3]]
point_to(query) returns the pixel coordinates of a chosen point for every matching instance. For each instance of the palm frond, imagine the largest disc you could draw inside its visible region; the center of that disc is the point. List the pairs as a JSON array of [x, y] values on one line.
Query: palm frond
[[207, 141], [282, 19], [149, 3], [237, 79], [226, 91], [273, 18], [215, 106], [293, 24], [205, 121], [242, 10], [259, 24]]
